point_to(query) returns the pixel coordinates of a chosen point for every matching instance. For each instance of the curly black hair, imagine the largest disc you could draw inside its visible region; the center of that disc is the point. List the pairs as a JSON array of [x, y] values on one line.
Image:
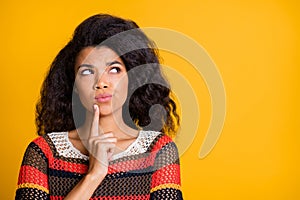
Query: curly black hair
[[147, 86]]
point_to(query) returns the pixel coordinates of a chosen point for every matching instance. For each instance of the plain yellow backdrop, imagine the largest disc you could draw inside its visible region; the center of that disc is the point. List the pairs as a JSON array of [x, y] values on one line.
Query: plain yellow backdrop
[[255, 45]]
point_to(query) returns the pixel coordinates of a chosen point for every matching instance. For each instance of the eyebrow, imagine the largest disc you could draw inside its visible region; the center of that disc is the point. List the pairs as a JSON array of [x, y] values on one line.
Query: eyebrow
[[86, 65], [113, 62], [107, 64]]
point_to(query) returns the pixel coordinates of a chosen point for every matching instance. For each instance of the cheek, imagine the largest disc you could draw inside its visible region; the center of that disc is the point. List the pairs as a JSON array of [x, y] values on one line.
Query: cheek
[[121, 90], [83, 85], [85, 93], [123, 86]]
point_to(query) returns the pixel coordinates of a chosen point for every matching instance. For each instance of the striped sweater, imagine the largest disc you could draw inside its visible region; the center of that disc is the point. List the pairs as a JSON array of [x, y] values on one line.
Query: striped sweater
[[147, 169]]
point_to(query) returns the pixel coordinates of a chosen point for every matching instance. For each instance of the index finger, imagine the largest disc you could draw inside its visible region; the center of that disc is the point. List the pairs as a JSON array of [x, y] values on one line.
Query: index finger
[[95, 123]]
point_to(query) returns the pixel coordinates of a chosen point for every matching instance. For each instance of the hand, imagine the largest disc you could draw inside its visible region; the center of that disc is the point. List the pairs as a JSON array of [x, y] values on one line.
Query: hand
[[101, 147]]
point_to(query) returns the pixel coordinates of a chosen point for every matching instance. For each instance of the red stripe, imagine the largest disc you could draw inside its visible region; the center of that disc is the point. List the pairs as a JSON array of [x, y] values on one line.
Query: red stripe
[[30, 174], [137, 164], [161, 142], [43, 145], [57, 197], [167, 174], [68, 166]]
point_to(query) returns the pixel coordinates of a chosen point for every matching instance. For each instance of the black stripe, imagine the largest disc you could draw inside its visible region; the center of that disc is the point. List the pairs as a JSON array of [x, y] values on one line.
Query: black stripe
[[38, 150], [35, 157], [30, 193], [126, 184], [63, 174], [166, 194], [131, 174]]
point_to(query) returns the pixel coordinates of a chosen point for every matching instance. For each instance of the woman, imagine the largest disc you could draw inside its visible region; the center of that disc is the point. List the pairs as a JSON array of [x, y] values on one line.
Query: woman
[[104, 119]]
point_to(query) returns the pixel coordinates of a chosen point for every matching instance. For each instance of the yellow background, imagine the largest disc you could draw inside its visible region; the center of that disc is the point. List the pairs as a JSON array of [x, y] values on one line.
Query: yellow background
[[255, 45]]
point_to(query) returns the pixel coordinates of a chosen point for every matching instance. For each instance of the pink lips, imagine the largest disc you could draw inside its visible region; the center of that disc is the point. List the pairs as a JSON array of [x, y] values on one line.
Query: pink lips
[[102, 98]]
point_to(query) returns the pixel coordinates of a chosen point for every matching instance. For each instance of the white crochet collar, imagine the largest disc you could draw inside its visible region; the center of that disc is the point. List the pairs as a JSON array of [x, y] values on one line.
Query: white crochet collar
[[66, 149]]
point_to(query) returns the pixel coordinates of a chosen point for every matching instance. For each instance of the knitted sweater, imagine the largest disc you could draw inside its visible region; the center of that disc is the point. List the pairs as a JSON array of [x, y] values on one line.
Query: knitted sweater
[[147, 169]]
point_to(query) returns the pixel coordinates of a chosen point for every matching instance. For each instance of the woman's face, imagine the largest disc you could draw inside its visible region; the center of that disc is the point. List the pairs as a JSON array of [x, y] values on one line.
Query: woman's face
[[101, 78]]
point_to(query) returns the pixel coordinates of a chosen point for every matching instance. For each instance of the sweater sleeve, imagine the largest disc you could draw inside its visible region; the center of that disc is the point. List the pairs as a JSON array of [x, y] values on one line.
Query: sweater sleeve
[[33, 178], [166, 181]]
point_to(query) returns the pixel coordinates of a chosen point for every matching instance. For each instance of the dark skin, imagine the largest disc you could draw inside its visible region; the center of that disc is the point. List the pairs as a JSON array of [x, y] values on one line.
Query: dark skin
[[101, 83]]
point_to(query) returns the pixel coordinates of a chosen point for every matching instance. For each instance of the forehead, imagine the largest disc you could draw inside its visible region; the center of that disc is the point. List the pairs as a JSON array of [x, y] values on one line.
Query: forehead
[[97, 56]]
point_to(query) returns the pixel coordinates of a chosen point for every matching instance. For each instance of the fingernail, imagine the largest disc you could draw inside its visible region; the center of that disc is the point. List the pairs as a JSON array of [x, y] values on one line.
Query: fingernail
[[95, 107]]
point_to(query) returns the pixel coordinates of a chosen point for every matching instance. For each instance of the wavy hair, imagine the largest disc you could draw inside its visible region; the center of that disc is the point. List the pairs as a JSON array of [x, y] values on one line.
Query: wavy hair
[[54, 110]]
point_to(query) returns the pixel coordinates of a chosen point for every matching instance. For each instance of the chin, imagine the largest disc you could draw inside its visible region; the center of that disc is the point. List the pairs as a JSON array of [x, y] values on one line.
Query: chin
[[104, 111]]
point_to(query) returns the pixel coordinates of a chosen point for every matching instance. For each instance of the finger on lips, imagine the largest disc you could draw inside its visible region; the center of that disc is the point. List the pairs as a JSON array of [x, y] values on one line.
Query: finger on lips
[[95, 124]]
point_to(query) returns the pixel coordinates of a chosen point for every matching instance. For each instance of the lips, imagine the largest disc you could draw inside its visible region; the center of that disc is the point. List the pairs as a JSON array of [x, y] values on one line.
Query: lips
[[102, 98]]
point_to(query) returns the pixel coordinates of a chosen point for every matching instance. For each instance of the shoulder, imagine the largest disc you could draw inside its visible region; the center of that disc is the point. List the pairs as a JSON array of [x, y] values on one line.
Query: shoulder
[[162, 140], [44, 144], [165, 151]]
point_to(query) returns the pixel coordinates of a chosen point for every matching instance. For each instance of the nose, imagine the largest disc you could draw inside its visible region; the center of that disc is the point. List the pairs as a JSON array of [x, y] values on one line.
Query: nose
[[101, 86], [101, 83]]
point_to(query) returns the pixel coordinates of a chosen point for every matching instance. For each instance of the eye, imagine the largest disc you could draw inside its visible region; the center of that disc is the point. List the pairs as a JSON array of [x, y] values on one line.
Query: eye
[[87, 72], [114, 70]]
